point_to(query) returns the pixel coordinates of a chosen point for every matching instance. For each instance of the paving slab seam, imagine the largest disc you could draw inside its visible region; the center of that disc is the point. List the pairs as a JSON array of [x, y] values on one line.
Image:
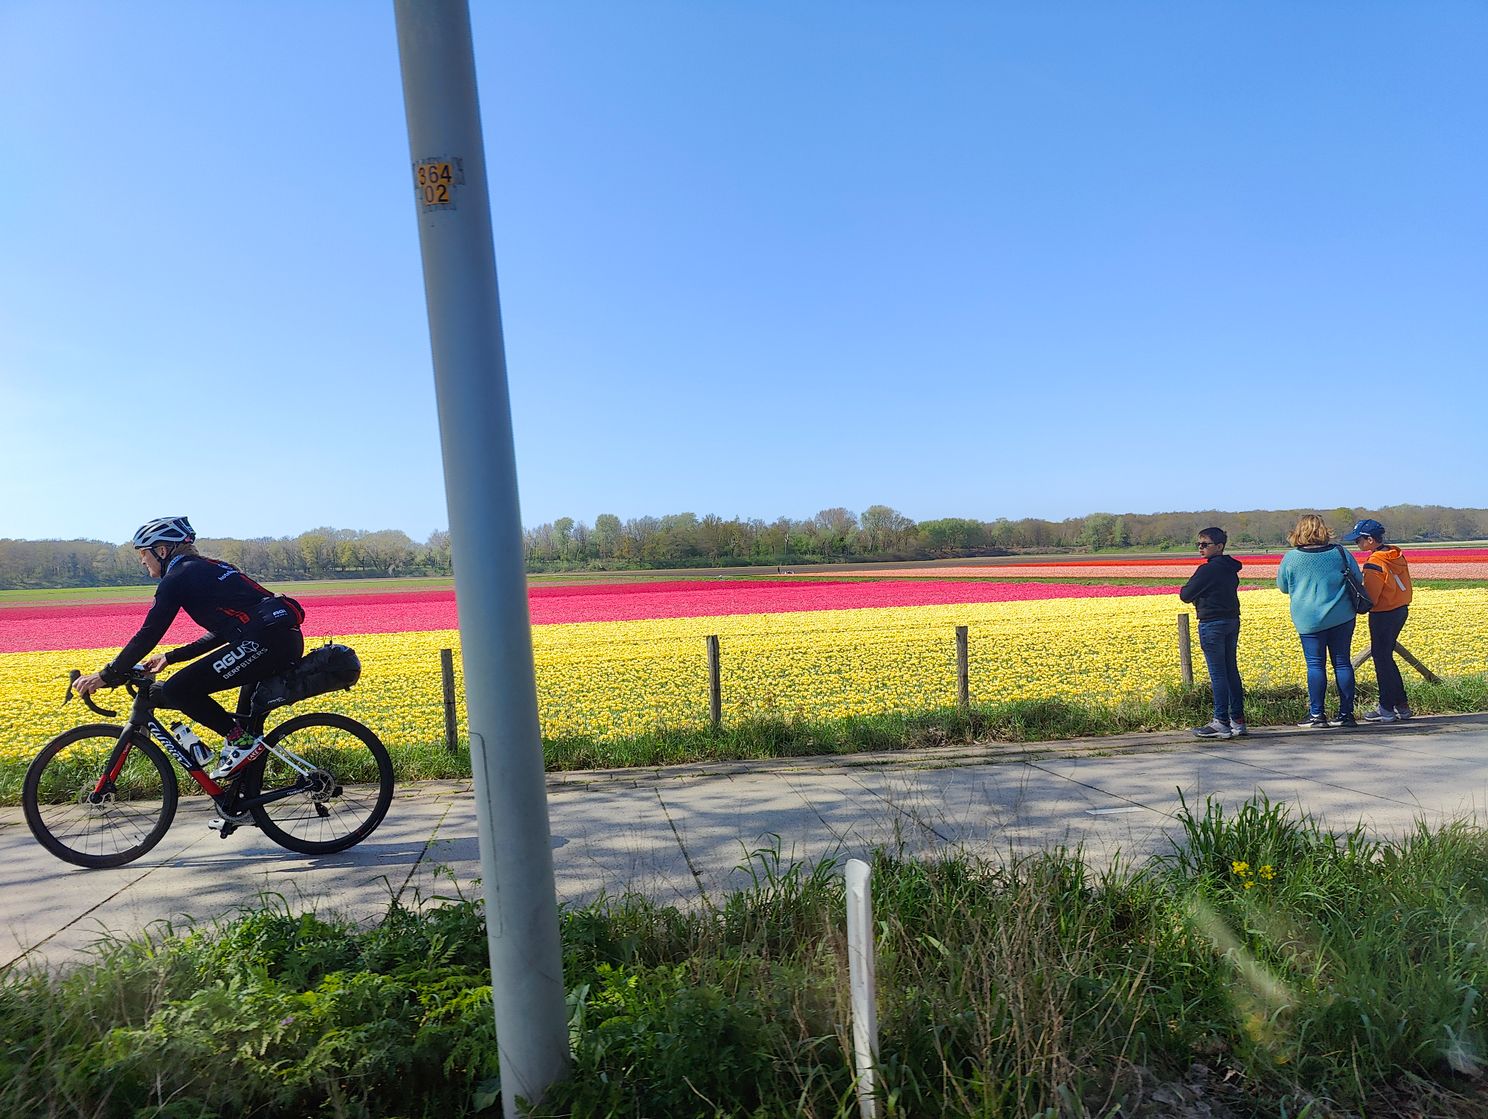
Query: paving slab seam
[[817, 812], [94, 908], [692, 869], [423, 854], [1103, 792], [895, 806], [1414, 802]]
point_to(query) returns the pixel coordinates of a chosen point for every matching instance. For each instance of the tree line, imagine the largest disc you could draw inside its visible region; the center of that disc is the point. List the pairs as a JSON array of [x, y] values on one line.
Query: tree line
[[687, 540], [321, 553], [882, 533]]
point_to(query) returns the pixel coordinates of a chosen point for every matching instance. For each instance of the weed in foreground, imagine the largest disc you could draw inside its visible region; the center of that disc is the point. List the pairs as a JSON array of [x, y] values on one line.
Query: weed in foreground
[[1264, 966]]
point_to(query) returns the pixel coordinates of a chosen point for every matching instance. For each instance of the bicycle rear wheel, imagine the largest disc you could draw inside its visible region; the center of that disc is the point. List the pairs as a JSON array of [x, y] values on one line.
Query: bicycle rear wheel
[[93, 825], [341, 777]]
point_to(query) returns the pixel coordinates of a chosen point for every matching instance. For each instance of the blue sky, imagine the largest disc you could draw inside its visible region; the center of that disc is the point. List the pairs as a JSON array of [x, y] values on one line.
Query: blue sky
[[980, 259]]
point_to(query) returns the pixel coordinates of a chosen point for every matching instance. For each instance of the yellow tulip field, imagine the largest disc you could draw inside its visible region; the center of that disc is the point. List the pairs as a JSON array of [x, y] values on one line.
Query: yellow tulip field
[[614, 678]]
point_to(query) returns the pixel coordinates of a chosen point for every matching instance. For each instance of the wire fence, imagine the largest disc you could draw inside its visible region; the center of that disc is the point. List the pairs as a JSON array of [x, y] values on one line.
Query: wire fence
[[610, 680]]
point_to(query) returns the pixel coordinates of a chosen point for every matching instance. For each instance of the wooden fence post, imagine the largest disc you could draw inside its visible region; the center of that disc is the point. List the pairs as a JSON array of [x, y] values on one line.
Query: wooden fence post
[[451, 728], [963, 668], [1185, 650], [1426, 673], [715, 684], [1430, 676]]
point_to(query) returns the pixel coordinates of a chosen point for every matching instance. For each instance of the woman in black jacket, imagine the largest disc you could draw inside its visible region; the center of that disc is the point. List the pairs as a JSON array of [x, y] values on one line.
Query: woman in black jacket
[[1214, 590]]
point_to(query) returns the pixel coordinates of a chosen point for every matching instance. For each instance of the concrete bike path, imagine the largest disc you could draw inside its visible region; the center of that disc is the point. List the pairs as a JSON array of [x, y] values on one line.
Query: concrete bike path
[[678, 833]]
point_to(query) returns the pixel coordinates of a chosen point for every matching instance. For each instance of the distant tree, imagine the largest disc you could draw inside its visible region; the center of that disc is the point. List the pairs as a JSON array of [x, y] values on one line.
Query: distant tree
[[388, 552], [951, 536], [317, 551], [885, 529], [436, 554], [583, 542], [541, 543], [1102, 530], [606, 534], [255, 557], [831, 529], [715, 537], [563, 536]]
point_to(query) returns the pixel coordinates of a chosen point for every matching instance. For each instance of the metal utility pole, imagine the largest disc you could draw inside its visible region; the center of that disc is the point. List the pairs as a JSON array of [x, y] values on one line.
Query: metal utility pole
[[448, 179]]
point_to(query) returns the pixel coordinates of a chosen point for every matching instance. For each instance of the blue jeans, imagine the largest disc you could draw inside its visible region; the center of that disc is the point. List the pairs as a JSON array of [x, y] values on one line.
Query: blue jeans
[[1220, 640], [1317, 648]]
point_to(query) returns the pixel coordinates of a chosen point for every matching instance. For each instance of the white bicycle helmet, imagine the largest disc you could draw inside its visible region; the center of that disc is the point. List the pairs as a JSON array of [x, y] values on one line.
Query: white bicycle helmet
[[164, 530]]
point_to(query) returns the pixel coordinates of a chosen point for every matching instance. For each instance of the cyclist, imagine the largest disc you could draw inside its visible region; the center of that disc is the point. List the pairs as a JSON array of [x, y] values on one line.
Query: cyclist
[[254, 632]]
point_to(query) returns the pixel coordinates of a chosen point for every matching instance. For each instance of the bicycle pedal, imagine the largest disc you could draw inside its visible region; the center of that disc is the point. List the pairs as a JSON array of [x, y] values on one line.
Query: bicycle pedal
[[222, 827]]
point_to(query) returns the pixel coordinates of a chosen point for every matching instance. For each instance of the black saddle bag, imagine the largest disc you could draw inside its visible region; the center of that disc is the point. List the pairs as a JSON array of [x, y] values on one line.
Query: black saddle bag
[[326, 669]]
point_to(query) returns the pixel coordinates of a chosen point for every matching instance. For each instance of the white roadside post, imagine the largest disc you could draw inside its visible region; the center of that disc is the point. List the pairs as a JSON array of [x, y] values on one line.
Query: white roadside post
[[449, 182], [863, 985]]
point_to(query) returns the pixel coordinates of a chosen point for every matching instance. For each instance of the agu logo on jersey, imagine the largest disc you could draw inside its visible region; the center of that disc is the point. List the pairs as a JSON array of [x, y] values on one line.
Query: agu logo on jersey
[[232, 662]]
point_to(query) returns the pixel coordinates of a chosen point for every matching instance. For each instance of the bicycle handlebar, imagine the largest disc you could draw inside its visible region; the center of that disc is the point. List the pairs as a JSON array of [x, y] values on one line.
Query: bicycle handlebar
[[136, 679]]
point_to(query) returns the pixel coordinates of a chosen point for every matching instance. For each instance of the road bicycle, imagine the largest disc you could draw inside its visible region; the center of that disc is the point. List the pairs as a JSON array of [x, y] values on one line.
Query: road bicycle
[[102, 795]]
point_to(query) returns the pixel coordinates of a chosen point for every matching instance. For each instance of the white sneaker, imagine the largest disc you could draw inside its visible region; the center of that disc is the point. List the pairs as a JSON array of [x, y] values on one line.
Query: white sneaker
[[236, 753]]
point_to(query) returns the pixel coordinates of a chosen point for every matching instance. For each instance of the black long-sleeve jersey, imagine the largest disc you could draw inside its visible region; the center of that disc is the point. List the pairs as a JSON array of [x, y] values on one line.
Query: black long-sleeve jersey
[[215, 594]]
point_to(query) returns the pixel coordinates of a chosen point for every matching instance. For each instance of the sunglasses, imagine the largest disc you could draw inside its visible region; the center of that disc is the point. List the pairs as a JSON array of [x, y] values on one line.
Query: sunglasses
[[1202, 544]]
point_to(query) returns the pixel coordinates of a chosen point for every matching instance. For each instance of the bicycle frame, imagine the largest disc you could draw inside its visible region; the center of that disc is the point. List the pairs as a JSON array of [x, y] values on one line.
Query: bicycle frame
[[142, 721]]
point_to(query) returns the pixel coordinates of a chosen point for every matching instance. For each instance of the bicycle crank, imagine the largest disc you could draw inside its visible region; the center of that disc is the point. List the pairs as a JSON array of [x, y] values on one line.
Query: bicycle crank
[[225, 825]]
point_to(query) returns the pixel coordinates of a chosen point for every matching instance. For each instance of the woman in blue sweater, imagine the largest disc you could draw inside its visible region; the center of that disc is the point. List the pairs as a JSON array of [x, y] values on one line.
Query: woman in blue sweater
[[1312, 575]]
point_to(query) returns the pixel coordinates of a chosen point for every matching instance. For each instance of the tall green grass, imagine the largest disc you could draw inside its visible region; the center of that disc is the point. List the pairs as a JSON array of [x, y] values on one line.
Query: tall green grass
[[1264, 966]]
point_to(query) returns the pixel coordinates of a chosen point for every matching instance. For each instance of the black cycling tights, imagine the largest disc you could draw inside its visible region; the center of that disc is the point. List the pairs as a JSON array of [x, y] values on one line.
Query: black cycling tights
[[259, 654]]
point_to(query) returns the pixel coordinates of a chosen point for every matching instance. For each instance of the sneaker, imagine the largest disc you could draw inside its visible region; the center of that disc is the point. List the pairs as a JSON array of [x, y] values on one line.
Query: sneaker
[[1237, 730], [1403, 713], [236, 753], [1344, 721], [1380, 715], [1214, 729], [1314, 721]]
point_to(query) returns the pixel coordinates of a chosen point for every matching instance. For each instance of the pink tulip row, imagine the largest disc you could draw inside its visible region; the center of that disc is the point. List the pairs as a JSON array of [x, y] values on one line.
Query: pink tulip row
[[102, 625]]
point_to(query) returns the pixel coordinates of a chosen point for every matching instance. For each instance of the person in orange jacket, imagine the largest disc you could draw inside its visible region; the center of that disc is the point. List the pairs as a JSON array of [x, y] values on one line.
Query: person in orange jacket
[[1387, 580]]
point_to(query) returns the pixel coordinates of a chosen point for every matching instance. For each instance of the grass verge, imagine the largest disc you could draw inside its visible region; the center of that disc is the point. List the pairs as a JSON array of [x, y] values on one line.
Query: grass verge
[[1029, 720], [1262, 967]]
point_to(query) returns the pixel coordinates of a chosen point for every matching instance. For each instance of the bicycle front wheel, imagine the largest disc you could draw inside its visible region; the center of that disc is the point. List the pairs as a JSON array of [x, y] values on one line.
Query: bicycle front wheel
[[87, 820], [336, 781]]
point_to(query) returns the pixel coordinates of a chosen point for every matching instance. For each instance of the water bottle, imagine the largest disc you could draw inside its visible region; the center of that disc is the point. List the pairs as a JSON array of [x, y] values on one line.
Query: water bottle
[[192, 744]]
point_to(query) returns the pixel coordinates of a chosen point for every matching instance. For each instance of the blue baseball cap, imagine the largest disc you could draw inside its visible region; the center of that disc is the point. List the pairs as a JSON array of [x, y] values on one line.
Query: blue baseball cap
[[1365, 527]]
